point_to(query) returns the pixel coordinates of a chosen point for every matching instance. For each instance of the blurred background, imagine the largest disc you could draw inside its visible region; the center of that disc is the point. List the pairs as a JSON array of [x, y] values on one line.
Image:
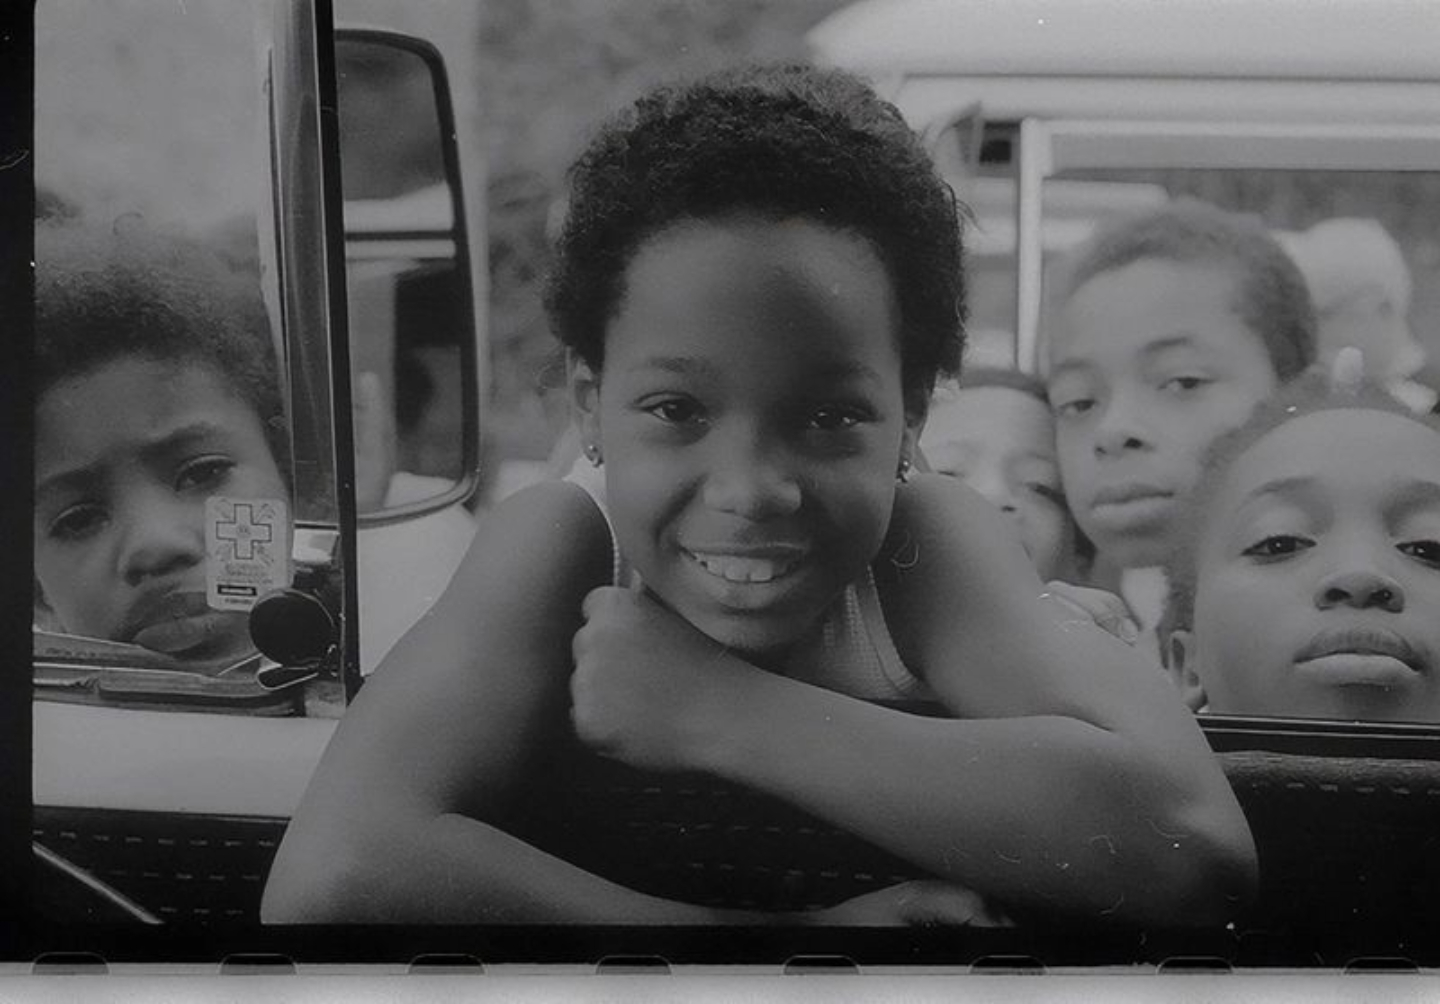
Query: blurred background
[[533, 77]]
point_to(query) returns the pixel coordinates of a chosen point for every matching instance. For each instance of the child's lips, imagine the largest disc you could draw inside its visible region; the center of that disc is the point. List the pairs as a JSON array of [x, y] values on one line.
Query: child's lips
[[177, 623], [1361, 657], [748, 566], [1130, 503]]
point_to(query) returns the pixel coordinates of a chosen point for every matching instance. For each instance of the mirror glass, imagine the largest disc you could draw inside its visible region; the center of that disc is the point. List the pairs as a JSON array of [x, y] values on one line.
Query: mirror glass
[[410, 308]]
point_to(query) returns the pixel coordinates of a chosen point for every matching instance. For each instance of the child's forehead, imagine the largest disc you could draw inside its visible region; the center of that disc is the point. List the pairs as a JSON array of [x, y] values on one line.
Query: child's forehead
[[1320, 451]]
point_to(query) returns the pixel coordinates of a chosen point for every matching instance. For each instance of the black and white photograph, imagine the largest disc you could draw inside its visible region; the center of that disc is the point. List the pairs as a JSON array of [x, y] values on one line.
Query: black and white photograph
[[875, 482]]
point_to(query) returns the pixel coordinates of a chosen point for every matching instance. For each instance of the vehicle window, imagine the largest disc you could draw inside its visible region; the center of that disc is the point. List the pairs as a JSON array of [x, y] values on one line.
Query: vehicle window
[[162, 436]]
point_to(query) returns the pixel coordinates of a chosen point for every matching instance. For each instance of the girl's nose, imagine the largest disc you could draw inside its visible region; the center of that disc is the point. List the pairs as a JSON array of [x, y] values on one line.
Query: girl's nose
[[1361, 588], [748, 483], [161, 536], [1119, 430]]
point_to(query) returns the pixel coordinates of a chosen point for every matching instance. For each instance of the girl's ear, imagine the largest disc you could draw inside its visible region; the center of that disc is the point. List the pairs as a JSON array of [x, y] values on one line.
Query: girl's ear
[[1177, 653], [584, 386]]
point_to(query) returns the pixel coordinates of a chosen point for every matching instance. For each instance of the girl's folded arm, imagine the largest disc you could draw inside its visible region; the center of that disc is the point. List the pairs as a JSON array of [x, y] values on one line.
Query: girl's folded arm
[[1073, 778], [394, 826]]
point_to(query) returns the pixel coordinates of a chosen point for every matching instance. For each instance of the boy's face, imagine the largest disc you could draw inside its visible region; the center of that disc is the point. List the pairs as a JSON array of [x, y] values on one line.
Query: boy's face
[[1150, 362], [125, 457], [751, 419], [1318, 574], [1001, 441]]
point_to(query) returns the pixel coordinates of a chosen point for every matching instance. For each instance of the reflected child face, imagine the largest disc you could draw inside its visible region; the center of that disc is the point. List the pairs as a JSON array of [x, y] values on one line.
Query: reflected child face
[[751, 419], [1151, 361], [126, 456], [1001, 441], [1318, 573]]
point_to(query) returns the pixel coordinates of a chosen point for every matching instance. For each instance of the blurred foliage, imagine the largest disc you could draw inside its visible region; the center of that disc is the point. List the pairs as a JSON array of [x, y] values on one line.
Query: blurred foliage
[[549, 72]]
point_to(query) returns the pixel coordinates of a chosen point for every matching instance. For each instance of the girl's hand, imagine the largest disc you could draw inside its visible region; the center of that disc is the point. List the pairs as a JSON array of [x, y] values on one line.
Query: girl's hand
[[648, 688], [921, 903], [1105, 609]]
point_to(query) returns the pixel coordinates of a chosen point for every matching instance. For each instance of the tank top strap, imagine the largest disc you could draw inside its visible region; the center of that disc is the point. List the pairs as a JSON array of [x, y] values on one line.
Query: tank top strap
[[591, 479]]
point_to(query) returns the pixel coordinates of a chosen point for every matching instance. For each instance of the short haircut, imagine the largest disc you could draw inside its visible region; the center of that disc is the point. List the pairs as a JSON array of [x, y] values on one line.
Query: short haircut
[[1273, 299], [1310, 393], [106, 294], [782, 142]]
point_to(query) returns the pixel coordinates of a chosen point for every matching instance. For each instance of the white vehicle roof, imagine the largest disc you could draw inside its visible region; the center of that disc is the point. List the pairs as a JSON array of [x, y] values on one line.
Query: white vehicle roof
[[1293, 39], [1288, 60]]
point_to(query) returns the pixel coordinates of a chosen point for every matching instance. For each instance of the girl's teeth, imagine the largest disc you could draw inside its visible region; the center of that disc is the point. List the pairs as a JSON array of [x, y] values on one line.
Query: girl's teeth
[[733, 569]]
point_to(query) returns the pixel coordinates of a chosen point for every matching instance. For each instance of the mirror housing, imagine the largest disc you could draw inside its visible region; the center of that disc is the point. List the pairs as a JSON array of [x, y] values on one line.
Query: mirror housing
[[411, 279]]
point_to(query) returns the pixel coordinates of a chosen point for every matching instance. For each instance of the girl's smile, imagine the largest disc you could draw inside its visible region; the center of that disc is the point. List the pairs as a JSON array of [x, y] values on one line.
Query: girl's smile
[[751, 418]]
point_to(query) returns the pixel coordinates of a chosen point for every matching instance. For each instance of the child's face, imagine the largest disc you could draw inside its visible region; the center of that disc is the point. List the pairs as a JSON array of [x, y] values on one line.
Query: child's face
[[1318, 576], [1150, 362], [125, 458], [751, 419], [1001, 441]]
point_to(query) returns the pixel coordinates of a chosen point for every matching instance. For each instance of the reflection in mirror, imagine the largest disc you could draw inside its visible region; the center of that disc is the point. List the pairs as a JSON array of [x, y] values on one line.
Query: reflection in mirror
[[410, 310]]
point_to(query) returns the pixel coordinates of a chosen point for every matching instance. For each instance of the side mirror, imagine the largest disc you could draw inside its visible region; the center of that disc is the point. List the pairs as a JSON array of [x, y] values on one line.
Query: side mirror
[[411, 287]]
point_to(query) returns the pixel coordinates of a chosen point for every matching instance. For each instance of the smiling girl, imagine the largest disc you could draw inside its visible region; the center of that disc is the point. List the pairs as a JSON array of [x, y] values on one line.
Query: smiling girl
[[758, 283]]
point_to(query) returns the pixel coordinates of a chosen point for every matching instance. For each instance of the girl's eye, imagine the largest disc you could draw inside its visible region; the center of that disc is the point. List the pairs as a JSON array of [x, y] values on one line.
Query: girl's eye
[[1074, 407], [78, 522], [675, 411], [834, 419], [203, 472], [1280, 545], [1184, 383], [1427, 551]]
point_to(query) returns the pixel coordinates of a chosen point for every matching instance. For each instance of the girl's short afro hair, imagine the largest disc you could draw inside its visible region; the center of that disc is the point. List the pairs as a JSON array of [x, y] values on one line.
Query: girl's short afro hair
[[782, 142]]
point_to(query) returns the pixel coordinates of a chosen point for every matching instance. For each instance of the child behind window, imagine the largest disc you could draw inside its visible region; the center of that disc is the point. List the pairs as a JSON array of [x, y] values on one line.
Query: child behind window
[[758, 284], [155, 388], [1170, 327], [993, 429], [1311, 584]]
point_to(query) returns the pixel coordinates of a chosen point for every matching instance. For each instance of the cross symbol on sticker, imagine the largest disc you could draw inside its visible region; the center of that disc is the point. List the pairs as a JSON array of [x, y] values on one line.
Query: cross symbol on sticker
[[243, 531]]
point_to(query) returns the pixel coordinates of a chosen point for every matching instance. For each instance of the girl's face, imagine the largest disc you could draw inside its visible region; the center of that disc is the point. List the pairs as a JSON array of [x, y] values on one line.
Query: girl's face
[[125, 457], [1318, 579], [752, 421], [1001, 441], [1150, 363]]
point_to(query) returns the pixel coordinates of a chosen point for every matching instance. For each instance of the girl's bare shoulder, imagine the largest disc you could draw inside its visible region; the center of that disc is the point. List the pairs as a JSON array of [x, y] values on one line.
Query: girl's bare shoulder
[[548, 540], [948, 556]]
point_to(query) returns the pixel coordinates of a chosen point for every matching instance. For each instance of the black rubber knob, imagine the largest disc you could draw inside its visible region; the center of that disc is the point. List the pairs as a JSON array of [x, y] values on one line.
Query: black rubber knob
[[293, 627]]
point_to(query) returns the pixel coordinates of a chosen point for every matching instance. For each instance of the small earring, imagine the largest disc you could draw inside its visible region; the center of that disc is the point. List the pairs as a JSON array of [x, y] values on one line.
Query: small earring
[[903, 474], [592, 454]]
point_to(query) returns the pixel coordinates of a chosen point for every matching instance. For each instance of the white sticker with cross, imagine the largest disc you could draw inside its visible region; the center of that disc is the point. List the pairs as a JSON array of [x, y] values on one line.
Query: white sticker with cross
[[247, 550]]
